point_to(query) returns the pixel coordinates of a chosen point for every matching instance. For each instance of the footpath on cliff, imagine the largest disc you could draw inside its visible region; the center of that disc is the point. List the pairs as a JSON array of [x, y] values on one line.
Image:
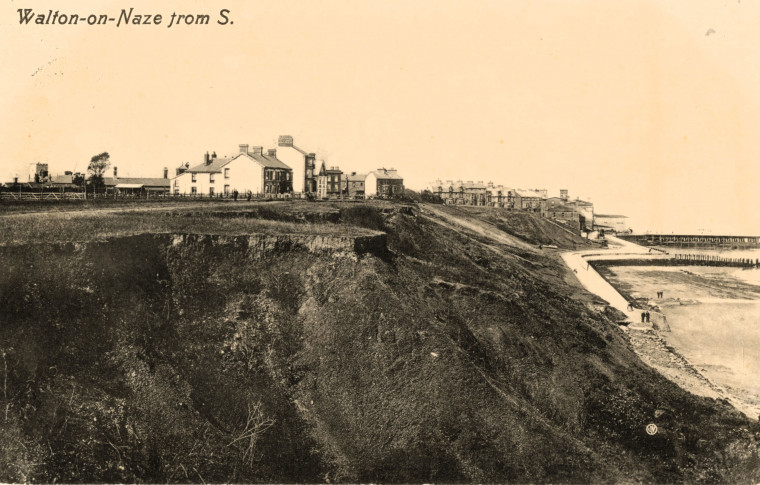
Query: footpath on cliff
[[578, 262]]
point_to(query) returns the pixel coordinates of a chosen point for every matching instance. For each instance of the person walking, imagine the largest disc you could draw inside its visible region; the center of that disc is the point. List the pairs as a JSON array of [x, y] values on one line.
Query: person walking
[[647, 317], [643, 316]]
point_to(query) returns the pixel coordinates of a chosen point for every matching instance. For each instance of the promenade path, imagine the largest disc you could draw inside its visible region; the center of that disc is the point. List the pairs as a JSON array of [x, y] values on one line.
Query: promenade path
[[593, 282], [652, 348]]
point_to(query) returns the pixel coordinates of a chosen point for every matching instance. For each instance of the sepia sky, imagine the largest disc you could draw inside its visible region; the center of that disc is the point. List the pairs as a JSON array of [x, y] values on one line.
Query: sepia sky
[[648, 108]]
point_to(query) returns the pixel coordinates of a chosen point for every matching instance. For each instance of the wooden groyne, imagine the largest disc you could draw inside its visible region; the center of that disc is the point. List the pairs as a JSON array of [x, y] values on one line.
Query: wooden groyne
[[714, 260], [681, 260], [693, 241]]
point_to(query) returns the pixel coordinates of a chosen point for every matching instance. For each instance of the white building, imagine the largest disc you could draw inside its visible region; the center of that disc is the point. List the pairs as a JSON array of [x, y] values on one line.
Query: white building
[[302, 163], [248, 171], [614, 222]]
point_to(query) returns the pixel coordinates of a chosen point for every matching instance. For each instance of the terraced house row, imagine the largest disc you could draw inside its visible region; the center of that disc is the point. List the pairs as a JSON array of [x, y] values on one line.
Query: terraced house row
[[577, 213], [286, 169]]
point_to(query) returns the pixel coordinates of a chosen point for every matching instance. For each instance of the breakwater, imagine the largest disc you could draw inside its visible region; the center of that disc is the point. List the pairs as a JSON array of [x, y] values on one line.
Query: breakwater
[[693, 241], [681, 260]]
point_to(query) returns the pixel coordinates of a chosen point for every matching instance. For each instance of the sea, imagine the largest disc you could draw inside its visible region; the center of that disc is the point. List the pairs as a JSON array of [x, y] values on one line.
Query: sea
[[713, 314]]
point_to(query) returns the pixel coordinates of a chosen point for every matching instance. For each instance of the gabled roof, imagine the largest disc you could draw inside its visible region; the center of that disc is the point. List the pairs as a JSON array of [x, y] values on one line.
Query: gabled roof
[[356, 177], [268, 161], [62, 179], [214, 167], [387, 174], [528, 193], [610, 216]]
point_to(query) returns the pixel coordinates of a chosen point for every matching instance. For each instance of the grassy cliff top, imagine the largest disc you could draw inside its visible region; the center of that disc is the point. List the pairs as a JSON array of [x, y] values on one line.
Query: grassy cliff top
[[96, 223]]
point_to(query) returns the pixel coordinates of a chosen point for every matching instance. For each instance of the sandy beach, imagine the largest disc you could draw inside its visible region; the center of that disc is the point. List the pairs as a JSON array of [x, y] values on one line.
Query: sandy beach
[[713, 346]]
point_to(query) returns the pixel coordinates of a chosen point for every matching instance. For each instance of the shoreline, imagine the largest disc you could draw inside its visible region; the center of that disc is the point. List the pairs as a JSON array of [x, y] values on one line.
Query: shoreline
[[649, 344]]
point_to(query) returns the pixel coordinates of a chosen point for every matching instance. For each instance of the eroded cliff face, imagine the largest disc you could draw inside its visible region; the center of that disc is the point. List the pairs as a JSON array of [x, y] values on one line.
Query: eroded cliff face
[[420, 355], [262, 246]]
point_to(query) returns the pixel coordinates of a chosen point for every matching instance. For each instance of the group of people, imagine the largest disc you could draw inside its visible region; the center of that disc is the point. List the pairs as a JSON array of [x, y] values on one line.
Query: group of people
[[645, 317], [660, 294]]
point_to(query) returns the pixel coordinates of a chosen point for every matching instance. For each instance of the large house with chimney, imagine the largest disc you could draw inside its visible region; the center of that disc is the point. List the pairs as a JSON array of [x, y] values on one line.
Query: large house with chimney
[[249, 171], [329, 182], [302, 163], [383, 182], [353, 185]]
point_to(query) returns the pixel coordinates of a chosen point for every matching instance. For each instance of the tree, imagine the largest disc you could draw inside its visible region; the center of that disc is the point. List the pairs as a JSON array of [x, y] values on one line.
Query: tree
[[78, 179], [98, 166]]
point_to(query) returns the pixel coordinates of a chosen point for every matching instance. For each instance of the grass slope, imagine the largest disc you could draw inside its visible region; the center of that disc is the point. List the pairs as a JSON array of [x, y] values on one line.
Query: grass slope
[[455, 359]]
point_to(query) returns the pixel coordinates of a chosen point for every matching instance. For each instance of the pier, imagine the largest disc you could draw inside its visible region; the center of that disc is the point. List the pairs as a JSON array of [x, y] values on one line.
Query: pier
[[693, 241]]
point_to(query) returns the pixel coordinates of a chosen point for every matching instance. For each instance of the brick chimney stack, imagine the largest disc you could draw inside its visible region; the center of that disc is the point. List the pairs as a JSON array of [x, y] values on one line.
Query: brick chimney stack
[[258, 150], [272, 152], [115, 172], [166, 172], [244, 148], [285, 141]]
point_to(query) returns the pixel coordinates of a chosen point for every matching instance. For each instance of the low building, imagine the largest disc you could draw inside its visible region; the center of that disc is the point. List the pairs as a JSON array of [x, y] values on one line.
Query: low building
[[586, 209], [139, 186], [566, 214], [66, 181], [612, 222], [384, 183], [329, 184], [248, 171]]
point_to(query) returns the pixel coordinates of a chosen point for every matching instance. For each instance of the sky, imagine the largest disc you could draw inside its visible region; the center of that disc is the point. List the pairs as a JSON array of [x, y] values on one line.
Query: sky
[[647, 108]]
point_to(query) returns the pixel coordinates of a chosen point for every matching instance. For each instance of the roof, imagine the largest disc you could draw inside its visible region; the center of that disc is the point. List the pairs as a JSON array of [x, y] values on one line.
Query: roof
[[610, 216], [63, 179], [129, 186], [528, 193], [148, 182], [356, 177], [214, 167], [387, 174], [269, 161], [561, 208]]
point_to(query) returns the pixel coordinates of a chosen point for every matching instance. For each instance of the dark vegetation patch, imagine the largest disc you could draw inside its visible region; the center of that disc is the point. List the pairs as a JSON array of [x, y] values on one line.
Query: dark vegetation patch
[[137, 360]]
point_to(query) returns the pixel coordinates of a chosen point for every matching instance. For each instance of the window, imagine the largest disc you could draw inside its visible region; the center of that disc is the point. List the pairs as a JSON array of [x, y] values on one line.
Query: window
[[226, 189], [193, 190], [192, 178], [211, 178], [210, 191], [176, 183], [176, 191], [226, 173]]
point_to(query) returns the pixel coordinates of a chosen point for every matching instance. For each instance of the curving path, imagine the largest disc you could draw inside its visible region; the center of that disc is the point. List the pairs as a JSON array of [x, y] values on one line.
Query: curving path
[[593, 282]]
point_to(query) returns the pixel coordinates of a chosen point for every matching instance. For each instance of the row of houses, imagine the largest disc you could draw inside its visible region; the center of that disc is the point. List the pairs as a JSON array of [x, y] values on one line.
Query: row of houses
[[283, 170], [286, 169], [576, 212]]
